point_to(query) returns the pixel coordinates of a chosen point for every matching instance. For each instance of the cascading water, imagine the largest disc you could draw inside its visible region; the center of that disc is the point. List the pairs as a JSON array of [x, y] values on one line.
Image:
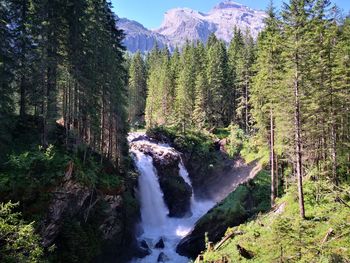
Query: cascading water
[[155, 223], [153, 208]]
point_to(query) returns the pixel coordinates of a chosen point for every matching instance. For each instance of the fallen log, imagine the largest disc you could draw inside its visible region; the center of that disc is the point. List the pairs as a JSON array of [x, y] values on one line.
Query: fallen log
[[329, 232], [234, 233]]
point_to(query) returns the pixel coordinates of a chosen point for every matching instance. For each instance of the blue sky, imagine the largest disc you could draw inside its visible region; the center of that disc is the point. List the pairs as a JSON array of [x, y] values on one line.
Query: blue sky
[[150, 12]]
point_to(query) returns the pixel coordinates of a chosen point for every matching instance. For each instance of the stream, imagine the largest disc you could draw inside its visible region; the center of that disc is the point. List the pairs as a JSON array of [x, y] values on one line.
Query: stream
[[155, 224]]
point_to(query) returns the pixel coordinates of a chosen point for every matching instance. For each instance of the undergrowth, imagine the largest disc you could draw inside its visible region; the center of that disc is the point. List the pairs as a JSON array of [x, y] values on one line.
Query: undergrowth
[[283, 237]]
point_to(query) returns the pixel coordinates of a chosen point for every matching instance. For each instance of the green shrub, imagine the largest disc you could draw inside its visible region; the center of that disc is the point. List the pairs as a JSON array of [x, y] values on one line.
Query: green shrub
[[18, 241], [235, 141]]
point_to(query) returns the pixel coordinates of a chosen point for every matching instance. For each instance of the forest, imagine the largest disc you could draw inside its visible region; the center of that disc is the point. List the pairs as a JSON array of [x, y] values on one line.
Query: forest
[[71, 93], [288, 91]]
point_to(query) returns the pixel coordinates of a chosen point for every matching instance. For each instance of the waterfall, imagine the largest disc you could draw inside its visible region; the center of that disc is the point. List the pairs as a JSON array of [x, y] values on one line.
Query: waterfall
[[153, 208], [155, 222]]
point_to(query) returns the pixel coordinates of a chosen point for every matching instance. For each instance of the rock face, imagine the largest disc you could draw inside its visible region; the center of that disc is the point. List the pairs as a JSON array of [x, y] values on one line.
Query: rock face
[[177, 193], [67, 199], [137, 37], [73, 200], [194, 243], [181, 24]]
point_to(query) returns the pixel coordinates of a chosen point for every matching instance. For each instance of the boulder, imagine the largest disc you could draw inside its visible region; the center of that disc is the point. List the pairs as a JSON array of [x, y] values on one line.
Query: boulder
[[160, 244], [162, 257], [144, 245], [142, 250]]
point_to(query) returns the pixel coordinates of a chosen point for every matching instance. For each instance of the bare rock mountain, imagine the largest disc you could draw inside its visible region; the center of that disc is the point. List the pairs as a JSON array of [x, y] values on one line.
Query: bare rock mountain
[[181, 24], [137, 37]]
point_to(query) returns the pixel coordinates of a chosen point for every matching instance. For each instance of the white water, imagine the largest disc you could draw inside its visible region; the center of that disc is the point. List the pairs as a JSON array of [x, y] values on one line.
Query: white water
[[154, 220]]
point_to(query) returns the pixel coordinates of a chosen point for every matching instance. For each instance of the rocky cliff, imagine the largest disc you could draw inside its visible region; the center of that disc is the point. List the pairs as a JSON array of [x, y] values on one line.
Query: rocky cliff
[[98, 213]]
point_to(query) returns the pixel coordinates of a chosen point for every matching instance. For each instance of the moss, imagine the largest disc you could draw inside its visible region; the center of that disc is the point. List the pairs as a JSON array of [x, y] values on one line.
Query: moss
[[247, 200]]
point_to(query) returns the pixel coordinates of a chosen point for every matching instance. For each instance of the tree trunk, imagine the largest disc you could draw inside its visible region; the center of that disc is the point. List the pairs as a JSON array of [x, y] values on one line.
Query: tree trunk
[[22, 103], [297, 126], [272, 160], [246, 106]]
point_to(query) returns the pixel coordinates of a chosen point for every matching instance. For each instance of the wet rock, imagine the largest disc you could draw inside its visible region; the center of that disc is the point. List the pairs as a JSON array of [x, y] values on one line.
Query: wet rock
[[144, 245], [163, 258], [177, 195], [160, 244], [142, 250], [215, 223]]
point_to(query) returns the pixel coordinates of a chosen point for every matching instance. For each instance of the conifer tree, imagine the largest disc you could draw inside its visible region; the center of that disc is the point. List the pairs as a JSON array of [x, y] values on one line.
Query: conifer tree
[[342, 88], [6, 62], [267, 90], [137, 89], [297, 47], [20, 21], [185, 89], [235, 64], [217, 72], [200, 113]]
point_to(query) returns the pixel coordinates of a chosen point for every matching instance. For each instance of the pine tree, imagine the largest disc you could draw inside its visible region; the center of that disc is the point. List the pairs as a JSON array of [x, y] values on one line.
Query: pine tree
[[243, 80], [235, 61], [200, 113], [137, 89], [217, 72], [6, 62], [21, 37], [297, 29], [153, 103], [267, 91], [185, 89], [342, 84]]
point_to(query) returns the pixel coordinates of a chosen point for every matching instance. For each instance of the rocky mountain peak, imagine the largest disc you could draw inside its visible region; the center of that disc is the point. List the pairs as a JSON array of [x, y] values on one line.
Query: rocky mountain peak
[[228, 5], [182, 24]]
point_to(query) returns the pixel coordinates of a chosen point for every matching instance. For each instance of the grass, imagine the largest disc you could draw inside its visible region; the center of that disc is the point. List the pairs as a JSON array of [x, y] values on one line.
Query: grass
[[286, 238]]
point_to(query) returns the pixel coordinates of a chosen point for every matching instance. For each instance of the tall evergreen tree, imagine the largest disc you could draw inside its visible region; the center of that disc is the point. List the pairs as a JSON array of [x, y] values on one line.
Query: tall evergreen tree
[[185, 89], [235, 63], [6, 61], [137, 89], [267, 91], [217, 72], [200, 113], [297, 46]]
